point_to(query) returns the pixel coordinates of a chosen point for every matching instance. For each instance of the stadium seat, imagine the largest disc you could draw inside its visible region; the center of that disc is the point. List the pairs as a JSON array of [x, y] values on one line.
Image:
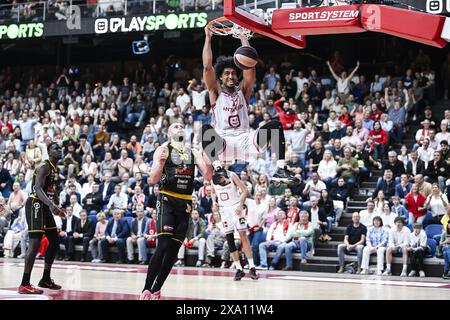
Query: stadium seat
[[93, 219], [433, 230], [129, 221], [432, 245]]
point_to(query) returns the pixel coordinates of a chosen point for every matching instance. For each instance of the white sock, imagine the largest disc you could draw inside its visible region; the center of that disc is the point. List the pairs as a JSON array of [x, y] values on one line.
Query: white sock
[[281, 164], [238, 265], [405, 267], [216, 164], [251, 264], [388, 266]]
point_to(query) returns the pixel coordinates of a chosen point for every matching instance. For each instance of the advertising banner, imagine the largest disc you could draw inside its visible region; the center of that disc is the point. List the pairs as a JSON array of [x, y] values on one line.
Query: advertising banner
[[320, 20]]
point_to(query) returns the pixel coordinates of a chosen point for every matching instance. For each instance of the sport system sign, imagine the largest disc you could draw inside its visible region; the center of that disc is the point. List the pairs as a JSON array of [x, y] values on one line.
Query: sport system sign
[[151, 23], [333, 15], [21, 31], [408, 24], [321, 20]]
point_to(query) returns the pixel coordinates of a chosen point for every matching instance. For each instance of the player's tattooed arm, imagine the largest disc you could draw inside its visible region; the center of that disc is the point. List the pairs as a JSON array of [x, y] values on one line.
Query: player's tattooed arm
[[42, 172], [203, 164], [159, 160]]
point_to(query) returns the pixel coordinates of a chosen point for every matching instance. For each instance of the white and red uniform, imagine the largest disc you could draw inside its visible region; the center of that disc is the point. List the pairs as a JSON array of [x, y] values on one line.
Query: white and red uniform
[[230, 120], [228, 199]]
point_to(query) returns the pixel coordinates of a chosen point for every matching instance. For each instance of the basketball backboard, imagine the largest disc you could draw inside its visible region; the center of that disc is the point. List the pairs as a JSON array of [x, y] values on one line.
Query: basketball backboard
[[256, 16], [289, 22]]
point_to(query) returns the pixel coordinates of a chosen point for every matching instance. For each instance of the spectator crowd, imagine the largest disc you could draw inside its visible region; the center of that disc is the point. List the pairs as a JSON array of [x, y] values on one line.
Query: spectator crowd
[[340, 127]]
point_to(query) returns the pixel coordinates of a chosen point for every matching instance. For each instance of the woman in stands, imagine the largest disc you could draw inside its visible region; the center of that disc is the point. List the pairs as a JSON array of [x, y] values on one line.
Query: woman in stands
[[33, 157], [379, 141], [272, 212], [443, 134], [263, 182], [376, 242], [313, 116], [358, 113], [437, 203], [327, 168], [404, 155], [415, 204], [380, 201]]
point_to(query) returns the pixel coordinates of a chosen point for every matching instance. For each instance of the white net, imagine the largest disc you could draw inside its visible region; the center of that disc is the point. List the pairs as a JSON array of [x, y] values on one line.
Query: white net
[[224, 27]]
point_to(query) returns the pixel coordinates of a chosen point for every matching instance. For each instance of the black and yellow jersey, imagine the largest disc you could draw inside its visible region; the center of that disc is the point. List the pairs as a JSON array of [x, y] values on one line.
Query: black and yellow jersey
[[50, 183], [177, 179]]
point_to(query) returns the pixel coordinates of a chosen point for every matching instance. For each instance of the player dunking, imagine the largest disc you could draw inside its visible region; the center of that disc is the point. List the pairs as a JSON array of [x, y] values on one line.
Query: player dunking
[[230, 204], [230, 139], [173, 166], [39, 210]]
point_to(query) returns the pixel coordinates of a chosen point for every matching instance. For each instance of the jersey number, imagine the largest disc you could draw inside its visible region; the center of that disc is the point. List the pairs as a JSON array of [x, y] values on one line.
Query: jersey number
[[234, 121]]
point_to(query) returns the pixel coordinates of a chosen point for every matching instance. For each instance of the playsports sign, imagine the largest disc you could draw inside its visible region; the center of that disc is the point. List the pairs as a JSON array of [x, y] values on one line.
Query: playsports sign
[[21, 31], [152, 23]]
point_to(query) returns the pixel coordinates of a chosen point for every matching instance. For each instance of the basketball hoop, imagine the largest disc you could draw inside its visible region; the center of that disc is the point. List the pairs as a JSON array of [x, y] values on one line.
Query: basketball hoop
[[224, 27]]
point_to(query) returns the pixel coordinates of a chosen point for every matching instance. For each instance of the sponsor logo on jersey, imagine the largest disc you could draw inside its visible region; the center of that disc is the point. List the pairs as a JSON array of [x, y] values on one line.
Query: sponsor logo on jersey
[[168, 228], [234, 121], [184, 171]]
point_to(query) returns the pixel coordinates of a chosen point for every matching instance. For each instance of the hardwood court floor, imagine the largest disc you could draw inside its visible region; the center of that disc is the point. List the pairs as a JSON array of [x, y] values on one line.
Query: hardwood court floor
[[87, 281]]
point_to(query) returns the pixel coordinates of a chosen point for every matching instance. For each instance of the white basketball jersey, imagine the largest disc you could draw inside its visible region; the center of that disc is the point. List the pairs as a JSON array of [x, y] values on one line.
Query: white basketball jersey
[[230, 113], [227, 195]]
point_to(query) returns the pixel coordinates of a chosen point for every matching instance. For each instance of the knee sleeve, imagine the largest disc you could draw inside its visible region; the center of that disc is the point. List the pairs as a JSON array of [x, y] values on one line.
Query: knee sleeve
[[230, 241]]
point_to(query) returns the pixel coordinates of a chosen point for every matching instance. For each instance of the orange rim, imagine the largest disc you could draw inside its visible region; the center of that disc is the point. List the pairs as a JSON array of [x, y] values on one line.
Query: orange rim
[[221, 26]]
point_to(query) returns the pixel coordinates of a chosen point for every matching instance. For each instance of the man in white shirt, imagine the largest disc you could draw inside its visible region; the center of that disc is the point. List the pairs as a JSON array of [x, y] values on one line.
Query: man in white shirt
[[331, 121], [350, 140], [67, 230], [198, 95], [368, 214], [417, 249], [425, 152], [256, 219], [76, 207], [343, 82], [118, 200], [277, 234], [313, 188], [297, 140], [183, 100], [422, 133], [137, 237], [398, 243], [328, 101], [300, 80]]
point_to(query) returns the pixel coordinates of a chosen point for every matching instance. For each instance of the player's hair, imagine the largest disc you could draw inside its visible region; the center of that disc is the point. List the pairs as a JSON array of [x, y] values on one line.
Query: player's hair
[[222, 63]]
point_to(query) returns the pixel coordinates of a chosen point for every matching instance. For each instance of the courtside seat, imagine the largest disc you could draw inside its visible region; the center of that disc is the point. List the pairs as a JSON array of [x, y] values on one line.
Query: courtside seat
[[93, 219], [129, 221], [433, 230]]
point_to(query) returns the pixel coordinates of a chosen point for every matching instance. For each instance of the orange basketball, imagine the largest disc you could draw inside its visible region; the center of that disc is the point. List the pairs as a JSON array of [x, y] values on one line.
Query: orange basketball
[[245, 57]]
